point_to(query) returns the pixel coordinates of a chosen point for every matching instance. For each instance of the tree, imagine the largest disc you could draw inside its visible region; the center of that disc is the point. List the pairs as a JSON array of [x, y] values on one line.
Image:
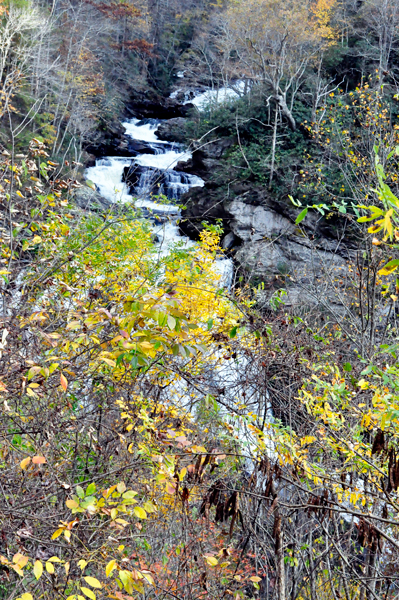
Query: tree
[[273, 44]]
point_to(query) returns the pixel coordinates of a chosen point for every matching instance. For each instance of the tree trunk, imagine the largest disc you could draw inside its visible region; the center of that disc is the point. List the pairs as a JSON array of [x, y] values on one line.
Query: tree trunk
[[285, 110], [273, 148], [278, 536]]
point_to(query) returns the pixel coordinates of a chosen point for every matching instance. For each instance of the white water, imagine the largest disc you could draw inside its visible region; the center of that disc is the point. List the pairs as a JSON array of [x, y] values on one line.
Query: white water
[[213, 96], [107, 175], [165, 161], [156, 172], [145, 133]]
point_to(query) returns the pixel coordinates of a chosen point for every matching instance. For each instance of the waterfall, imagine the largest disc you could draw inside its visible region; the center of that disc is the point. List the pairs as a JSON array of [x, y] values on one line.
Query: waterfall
[[150, 174]]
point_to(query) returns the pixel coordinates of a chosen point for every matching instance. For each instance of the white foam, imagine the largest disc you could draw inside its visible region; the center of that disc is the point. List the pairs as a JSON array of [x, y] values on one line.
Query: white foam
[[144, 133], [107, 175], [165, 161], [218, 96]]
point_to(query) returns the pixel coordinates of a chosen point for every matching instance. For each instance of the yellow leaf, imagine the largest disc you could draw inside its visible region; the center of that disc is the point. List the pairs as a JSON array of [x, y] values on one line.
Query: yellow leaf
[[72, 504], [57, 533], [82, 564], [25, 462], [20, 560], [140, 512], [183, 473], [111, 363], [211, 560], [64, 382], [110, 567], [148, 577], [25, 596], [49, 567], [89, 593], [146, 347], [149, 507], [93, 582], [255, 579], [38, 569]]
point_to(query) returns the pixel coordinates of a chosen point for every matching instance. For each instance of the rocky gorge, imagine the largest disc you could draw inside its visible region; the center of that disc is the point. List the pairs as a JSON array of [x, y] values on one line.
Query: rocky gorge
[[260, 233]]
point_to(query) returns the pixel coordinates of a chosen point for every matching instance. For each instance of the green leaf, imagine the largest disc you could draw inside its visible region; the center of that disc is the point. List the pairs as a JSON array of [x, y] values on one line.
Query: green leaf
[[233, 332], [347, 367], [301, 216], [91, 488], [80, 491], [171, 322]]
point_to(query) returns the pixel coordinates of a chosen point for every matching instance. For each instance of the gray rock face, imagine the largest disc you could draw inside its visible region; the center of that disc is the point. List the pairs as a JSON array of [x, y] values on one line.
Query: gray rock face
[[88, 199], [292, 256], [310, 274], [255, 223]]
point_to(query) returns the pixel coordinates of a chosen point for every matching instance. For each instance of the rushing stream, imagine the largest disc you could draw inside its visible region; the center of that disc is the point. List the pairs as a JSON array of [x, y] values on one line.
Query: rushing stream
[[148, 178], [141, 178]]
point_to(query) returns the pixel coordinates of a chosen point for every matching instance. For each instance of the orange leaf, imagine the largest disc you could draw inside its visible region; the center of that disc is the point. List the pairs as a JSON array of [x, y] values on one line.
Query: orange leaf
[[64, 382], [38, 460]]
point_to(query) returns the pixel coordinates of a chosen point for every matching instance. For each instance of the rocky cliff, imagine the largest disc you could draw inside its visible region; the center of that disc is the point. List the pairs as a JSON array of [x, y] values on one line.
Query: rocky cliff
[[260, 231]]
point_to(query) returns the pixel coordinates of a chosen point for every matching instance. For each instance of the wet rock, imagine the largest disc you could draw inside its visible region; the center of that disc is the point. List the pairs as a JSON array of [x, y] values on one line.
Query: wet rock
[[88, 199], [109, 141], [136, 147], [131, 175], [172, 130], [160, 108], [229, 241], [202, 204]]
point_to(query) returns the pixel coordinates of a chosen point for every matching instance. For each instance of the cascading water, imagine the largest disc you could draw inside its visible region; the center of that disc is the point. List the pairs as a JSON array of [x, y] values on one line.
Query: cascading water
[[144, 177], [147, 177]]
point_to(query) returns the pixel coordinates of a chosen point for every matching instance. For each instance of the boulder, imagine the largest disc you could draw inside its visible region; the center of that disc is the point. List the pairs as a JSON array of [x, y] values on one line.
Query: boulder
[[136, 147], [229, 241], [172, 130], [290, 256], [202, 204], [88, 199], [206, 157]]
